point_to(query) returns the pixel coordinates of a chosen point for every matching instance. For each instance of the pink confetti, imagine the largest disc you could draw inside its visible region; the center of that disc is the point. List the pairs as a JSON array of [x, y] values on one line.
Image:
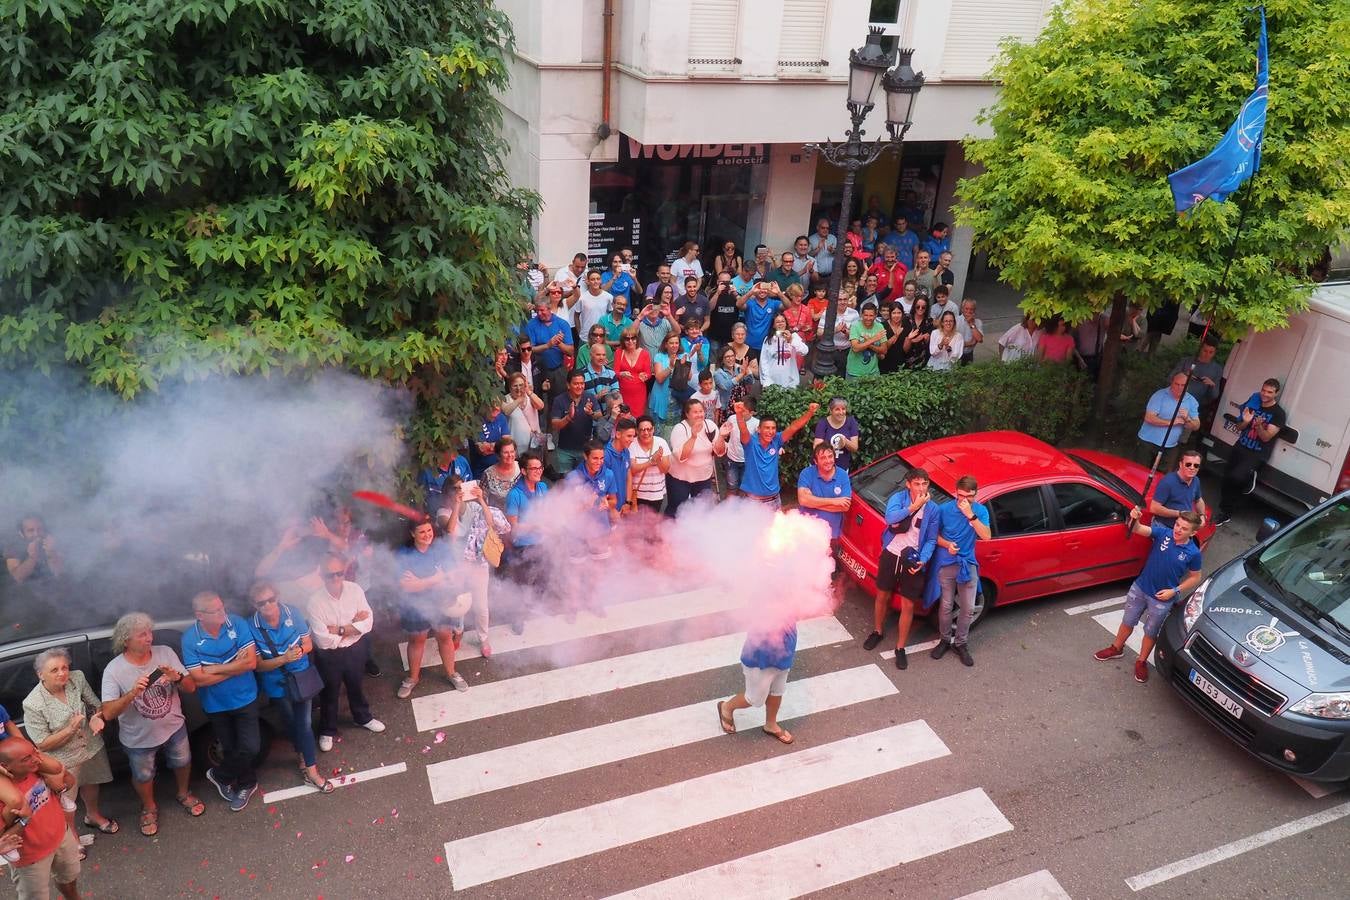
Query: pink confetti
[[394, 813], [437, 860], [298, 833], [440, 737], [426, 749], [350, 857], [276, 824]]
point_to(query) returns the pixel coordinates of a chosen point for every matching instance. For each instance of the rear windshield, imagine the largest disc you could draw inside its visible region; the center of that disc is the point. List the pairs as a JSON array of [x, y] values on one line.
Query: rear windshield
[[1095, 471], [877, 482], [1310, 565]]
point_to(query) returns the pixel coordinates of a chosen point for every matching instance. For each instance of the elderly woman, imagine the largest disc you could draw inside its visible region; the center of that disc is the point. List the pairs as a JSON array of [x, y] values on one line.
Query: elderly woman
[[63, 719]]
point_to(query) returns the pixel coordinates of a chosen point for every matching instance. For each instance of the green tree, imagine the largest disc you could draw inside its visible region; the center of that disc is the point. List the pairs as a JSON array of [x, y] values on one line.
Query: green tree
[[191, 187], [1073, 204]]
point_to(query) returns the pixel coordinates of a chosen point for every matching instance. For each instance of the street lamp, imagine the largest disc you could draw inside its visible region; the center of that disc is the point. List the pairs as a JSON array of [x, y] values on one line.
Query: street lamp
[[866, 66]]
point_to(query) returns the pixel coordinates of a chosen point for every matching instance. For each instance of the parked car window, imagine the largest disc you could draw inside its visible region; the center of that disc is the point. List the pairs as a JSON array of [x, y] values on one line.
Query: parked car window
[[1019, 512], [876, 483], [1083, 506]]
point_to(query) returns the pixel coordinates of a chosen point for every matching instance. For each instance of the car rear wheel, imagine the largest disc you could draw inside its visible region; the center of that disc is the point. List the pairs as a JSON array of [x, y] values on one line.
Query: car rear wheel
[[984, 602]]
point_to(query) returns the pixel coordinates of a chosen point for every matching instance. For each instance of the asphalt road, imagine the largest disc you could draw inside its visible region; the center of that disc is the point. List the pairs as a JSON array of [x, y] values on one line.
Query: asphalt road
[[1039, 761]]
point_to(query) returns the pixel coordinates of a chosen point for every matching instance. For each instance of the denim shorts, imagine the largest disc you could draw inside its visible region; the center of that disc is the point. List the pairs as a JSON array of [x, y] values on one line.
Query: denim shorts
[[1152, 610], [734, 472], [177, 753]]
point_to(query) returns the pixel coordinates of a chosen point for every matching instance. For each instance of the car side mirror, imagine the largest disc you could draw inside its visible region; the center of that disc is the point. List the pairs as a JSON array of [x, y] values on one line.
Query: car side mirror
[[1268, 528]]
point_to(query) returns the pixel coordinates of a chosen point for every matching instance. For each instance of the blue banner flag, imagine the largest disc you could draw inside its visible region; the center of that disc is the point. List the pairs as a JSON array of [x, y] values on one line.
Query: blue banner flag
[[1237, 156]]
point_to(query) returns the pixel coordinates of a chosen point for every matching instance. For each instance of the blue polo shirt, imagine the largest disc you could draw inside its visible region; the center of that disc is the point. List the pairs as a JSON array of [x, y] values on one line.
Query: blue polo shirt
[[518, 502], [540, 334], [1176, 494], [434, 480], [200, 649], [620, 285], [618, 463], [595, 486], [758, 320], [953, 525], [290, 632], [770, 650], [493, 430], [1167, 564], [836, 487], [1162, 404], [904, 244], [761, 466]]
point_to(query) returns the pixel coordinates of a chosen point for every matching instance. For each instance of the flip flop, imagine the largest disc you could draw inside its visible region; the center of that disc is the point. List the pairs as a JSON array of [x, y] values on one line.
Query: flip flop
[[108, 827], [728, 724], [780, 735], [150, 822]]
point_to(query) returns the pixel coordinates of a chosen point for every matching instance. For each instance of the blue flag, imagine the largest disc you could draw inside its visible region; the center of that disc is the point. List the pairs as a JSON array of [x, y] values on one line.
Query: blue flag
[[1237, 156]]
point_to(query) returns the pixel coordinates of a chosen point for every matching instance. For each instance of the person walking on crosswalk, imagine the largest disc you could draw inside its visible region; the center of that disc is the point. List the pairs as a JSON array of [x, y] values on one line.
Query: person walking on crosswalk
[[765, 660]]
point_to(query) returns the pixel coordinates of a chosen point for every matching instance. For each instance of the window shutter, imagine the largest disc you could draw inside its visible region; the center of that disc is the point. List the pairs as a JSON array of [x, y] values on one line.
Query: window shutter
[[714, 31], [801, 39], [977, 26]]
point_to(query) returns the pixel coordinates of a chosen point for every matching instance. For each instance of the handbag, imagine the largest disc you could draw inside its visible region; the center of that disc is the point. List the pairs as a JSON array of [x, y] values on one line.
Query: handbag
[[493, 547], [298, 686]]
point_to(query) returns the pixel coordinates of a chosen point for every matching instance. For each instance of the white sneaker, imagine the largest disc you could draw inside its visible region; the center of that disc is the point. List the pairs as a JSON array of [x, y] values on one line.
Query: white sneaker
[[459, 683], [325, 742], [374, 725]]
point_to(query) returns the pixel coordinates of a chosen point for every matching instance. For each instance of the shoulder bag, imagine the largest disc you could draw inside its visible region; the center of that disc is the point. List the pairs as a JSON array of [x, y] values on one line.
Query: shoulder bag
[[298, 686]]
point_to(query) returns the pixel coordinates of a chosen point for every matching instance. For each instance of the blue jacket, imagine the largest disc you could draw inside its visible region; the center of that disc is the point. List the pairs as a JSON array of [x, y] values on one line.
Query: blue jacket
[[897, 510]]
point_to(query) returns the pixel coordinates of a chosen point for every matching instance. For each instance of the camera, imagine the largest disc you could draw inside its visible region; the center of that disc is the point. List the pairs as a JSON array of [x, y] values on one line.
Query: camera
[[623, 408]]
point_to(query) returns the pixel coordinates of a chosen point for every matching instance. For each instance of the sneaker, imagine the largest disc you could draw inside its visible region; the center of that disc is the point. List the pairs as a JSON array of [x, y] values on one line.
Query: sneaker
[[241, 798], [325, 742], [1141, 671], [963, 654], [872, 640], [458, 681], [486, 650], [67, 801], [1251, 484], [940, 650], [373, 668], [1109, 653], [225, 793], [901, 659], [374, 725], [405, 688], [1221, 518]]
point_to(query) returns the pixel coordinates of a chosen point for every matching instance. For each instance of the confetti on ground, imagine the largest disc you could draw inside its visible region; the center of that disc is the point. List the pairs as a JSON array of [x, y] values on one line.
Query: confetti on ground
[[437, 860], [350, 857], [440, 737], [298, 833]]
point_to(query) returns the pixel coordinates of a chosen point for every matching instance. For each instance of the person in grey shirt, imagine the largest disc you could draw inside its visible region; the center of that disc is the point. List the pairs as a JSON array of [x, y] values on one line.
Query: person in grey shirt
[[971, 329], [1206, 382]]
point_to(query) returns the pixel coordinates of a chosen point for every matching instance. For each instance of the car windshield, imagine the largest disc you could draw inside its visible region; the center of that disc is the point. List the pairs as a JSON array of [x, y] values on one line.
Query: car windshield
[[1311, 563], [877, 482], [1112, 481]]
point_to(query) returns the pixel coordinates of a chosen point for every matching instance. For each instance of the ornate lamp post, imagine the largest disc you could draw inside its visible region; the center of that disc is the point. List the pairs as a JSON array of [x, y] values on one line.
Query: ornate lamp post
[[866, 66]]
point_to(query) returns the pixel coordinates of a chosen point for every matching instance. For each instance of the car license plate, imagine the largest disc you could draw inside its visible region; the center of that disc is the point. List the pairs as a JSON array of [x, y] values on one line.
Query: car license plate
[[853, 566], [1223, 700]]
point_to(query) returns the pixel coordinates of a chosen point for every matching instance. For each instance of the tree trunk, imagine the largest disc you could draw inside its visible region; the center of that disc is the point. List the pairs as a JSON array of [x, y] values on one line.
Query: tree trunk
[[1106, 378]]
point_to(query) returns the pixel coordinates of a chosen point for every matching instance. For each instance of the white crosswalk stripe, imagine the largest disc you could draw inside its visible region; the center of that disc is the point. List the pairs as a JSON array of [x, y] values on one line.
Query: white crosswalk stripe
[[1036, 886]]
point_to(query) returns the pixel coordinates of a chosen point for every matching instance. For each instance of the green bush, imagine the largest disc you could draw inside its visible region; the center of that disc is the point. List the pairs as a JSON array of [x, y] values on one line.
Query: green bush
[[895, 411]]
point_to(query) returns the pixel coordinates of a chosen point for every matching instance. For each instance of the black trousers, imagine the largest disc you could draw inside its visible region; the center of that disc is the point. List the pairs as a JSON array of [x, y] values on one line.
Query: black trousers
[[1242, 462], [343, 667], [240, 741], [678, 492]]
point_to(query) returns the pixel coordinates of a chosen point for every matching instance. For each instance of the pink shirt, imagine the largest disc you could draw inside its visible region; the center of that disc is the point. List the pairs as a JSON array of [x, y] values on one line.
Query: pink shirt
[[1057, 348]]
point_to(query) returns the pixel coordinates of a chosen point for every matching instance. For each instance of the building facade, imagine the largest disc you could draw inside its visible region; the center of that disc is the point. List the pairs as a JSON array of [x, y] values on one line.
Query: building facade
[[645, 123]]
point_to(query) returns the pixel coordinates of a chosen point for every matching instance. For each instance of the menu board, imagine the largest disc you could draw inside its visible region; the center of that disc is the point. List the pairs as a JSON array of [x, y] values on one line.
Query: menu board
[[607, 232]]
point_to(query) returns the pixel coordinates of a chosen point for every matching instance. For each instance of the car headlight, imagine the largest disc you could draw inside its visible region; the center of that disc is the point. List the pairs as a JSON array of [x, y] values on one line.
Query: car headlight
[[1324, 706], [1194, 604]]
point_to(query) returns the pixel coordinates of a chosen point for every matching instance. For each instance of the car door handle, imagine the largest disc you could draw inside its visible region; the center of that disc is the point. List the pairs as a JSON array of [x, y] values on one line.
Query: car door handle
[[993, 555], [1072, 545]]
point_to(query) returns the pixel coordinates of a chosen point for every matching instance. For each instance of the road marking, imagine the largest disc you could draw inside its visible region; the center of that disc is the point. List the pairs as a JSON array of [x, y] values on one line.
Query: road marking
[[1111, 622], [604, 826], [1036, 886], [492, 770], [844, 854], [1100, 604], [912, 648], [1236, 848], [1315, 789], [573, 682], [340, 781], [546, 631]]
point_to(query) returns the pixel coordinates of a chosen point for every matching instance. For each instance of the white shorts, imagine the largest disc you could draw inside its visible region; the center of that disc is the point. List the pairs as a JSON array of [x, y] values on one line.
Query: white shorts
[[760, 684]]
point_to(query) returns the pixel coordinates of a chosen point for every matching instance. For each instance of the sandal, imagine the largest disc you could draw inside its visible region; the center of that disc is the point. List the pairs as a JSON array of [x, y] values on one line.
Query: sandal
[[109, 825], [324, 787], [193, 806], [780, 735], [728, 722], [150, 822]]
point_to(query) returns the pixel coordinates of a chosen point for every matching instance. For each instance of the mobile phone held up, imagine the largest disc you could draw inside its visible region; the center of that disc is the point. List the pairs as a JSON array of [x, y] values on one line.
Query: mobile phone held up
[[155, 676]]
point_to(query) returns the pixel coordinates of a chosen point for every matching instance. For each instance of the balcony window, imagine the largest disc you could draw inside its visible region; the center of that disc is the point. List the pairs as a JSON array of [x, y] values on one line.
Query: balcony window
[[714, 36], [801, 37]]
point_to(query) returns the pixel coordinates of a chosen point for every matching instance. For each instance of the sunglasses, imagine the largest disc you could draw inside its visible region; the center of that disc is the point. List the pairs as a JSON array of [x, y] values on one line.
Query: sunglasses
[[269, 601], [627, 339], [526, 349], [338, 573], [1187, 465]]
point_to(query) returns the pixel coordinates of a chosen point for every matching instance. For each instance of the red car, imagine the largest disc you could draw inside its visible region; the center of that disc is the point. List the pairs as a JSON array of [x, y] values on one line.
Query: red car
[[1057, 516]]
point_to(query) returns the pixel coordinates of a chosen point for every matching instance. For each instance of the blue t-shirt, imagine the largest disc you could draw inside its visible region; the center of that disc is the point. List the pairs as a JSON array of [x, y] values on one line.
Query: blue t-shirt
[[937, 246], [1176, 494], [953, 525], [618, 462], [595, 486], [290, 632], [1162, 404], [518, 502], [772, 650], [423, 565], [620, 285], [492, 431], [1168, 563], [904, 244], [761, 465], [4, 717], [759, 319], [434, 480], [200, 649], [836, 487], [540, 334]]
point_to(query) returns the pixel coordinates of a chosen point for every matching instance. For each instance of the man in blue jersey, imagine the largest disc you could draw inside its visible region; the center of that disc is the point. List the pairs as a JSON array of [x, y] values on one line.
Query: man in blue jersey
[[824, 491], [219, 653], [961, 522], [551, 340], [763, 450], [1172, 569], [766, 658], [596, 487], [1179, 492]]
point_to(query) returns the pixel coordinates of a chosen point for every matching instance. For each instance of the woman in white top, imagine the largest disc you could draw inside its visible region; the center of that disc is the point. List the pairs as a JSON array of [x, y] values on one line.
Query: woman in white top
[[1019, 341], [649, 460], [522, 407], [687, 264], [693, 442], [780, 357], [945, 344]]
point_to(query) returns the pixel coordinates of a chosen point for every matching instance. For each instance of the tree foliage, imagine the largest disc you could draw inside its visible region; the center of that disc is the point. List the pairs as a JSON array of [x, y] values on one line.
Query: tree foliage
[[1073, 204], [190, 187]]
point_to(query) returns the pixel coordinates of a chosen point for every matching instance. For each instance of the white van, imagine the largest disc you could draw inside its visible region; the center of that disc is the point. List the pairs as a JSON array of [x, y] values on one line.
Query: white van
[[1311, 358]]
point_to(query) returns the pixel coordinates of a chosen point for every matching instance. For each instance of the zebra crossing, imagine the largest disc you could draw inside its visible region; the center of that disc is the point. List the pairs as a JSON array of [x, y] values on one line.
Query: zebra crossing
[[578, 835]]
